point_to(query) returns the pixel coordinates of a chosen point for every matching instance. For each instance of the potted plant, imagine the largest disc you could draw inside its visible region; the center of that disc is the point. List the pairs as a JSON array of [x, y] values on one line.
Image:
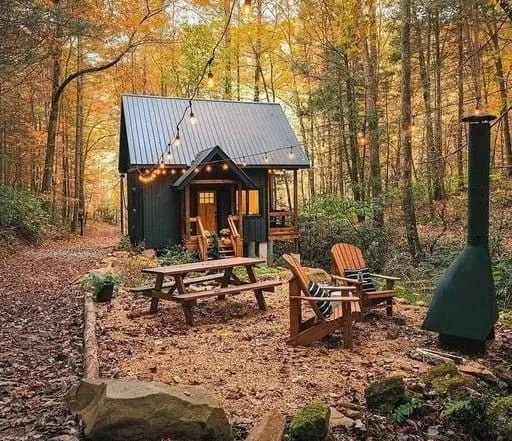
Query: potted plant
[[225, 236], [102, 285]]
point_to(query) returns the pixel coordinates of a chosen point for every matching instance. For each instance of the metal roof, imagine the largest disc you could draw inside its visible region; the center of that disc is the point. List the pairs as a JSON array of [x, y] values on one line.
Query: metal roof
[[244, 131], [206, 156]]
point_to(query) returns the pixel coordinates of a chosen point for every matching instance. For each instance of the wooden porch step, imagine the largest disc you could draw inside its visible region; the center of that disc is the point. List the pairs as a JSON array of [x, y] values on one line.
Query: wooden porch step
[[147, 289], [266, 285]]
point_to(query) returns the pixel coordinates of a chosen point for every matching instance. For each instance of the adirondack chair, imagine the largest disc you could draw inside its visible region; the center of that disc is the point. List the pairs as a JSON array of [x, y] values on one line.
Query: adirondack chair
[[305, 332], [344, 257]]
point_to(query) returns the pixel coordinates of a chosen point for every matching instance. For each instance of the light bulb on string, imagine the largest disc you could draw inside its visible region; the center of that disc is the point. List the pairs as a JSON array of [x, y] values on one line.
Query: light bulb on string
[[292, 153], [164, 172], [208, 168], [225, 166], [197, 170], [177, 139], [246, 9], [210, 81], [266, 157], [173, 171], [193, 119], [162, 165], [244, 162], [183, 171]]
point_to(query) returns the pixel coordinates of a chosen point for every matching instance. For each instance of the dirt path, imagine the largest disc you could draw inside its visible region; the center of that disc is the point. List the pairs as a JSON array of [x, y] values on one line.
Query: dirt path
[[40, 334]]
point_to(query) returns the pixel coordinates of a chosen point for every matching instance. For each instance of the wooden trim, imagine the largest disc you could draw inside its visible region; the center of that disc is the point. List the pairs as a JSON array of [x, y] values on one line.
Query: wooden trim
[[239, 213], [187, 212], [295, 199], [214, 181]]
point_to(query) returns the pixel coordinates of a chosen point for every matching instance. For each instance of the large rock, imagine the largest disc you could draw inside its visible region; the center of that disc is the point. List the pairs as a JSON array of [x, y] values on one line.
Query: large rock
[[124, 410], [444, 378], [384, 395], [269, 428], [311, 423], [500, 415]]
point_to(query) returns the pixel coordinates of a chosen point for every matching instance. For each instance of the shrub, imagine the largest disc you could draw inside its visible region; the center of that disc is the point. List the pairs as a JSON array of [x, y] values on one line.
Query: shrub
[[97, 281], [468, 414], [502, 269], [332, 219], [175, 255], [21, 214], [125, 244], [406, 410]]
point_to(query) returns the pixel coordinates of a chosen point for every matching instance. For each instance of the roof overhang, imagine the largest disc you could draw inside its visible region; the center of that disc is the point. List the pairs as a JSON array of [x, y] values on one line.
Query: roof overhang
[[214, 154]]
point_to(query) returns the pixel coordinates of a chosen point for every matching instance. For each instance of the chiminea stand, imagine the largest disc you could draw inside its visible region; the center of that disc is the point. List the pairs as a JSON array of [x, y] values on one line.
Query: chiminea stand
[[463, 309]]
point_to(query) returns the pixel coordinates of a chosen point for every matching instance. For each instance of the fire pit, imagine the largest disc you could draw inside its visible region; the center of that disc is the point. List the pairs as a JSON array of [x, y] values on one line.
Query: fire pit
[[464, 310]]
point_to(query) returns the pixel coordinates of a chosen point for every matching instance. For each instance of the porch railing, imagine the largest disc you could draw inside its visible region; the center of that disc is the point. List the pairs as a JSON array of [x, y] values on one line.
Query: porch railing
[[202, 239], [283, 223], [235, 235]]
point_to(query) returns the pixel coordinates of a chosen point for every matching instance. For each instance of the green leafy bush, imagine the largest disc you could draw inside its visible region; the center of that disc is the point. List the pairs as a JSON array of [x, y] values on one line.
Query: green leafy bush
[[21, 214], [125, 244], [332, 219], [97, 281], [468, 414], [176, 255], [406, 410], [502, 268]]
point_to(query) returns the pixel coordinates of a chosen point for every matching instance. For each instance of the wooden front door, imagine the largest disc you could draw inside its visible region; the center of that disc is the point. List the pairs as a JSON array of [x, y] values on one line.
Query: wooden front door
[[207, 209]]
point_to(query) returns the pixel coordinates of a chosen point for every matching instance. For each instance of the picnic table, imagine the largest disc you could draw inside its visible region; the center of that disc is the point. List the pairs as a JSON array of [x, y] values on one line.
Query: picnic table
[[220, 270]]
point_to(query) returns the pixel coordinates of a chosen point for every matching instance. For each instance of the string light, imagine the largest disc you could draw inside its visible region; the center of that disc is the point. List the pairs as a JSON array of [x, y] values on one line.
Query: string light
[[225, 166], [162, 165], [265, 157], [196, 169], [210, 81], [208, 168], [183, 171], [177, 139], [193, 119], [244, 162], [246, 10], [173, 172], [291, 154]]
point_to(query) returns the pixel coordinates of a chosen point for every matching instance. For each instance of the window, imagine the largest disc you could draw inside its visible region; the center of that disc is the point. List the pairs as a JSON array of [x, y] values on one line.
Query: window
[[207, 197], [250, 202]]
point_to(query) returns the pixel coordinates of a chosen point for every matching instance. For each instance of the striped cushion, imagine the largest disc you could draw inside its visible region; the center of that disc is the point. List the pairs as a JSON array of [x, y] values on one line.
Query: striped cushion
[[368, 285], [315, 290]]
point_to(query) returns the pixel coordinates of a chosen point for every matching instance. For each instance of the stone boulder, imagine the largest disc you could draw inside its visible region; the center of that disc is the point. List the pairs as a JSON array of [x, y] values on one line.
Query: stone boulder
[[386, 394], [499, 414], [444, 378], [126, 410], [311, 423], [270, 428]]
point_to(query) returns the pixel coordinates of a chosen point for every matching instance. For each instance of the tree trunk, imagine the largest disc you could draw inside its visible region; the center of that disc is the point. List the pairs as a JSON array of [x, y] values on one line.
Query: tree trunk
[[226, 92], [460, 101], [438, 164], [405, 133], [257, 52], [372, 87]]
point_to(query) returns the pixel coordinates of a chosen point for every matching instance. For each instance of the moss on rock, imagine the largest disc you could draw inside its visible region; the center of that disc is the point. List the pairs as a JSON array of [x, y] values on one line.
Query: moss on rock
[[499, 414], [310, 423], [444, 378], [384, 395]]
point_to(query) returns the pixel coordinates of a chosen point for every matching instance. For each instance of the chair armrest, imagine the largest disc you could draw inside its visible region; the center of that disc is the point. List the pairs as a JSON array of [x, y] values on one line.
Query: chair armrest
[[337, 288], [380, 276], [326, 299], [346, 279]]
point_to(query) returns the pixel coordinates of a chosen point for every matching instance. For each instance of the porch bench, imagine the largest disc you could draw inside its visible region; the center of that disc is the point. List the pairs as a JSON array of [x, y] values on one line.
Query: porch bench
[[147, 290]]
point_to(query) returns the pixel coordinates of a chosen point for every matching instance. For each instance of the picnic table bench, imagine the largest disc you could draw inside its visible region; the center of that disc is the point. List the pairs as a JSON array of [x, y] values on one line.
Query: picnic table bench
[[176, 291]]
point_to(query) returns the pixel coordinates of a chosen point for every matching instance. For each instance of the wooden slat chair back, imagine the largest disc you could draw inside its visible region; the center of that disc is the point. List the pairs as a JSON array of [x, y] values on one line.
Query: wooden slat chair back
[[346, 256], [305, 332]]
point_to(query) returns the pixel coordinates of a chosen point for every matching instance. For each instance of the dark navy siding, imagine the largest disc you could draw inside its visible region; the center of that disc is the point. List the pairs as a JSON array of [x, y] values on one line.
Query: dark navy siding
[[135, 205], [162, 216]]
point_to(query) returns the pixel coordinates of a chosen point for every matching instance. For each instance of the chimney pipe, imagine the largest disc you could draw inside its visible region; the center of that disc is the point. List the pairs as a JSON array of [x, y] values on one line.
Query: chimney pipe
[[463, 309]]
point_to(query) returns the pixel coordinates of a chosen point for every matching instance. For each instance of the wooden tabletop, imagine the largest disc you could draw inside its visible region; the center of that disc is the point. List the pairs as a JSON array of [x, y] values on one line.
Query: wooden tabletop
[[204, 266]]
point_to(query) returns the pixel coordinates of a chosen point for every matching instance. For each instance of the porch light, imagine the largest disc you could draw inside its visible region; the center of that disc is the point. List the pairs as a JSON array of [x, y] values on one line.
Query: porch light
[[173, 172], [208, 168], [197, 170], [164, 172], [225, 166]]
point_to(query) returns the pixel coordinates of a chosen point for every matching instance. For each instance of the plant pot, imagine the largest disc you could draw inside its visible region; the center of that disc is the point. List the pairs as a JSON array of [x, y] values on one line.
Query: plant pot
[[227, 242], [105, 293]]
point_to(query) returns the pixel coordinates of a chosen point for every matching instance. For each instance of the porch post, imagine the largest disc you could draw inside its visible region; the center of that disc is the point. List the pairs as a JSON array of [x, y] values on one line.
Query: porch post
[[295, 199], [187, 213], [239, 214]]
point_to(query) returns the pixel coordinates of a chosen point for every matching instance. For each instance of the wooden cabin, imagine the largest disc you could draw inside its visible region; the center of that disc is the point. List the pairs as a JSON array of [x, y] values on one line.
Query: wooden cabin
[[235, 167]]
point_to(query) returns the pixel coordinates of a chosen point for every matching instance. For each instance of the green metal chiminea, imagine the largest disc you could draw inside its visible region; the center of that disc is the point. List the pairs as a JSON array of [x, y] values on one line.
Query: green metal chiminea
[[463, 309]]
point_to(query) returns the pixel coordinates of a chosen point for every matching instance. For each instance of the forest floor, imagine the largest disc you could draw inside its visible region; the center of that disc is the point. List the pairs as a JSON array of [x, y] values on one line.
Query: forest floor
[[41, 309], [240, 353]]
